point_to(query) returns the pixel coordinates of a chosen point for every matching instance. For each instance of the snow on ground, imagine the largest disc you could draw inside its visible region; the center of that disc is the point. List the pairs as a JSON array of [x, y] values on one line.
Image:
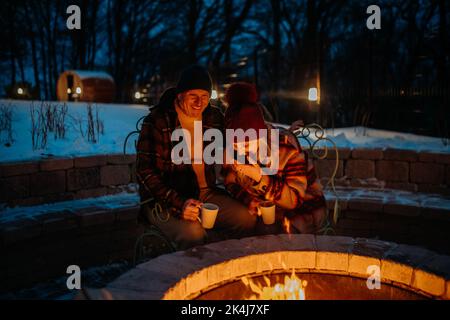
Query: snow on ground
[[120, 119], [363, 137]]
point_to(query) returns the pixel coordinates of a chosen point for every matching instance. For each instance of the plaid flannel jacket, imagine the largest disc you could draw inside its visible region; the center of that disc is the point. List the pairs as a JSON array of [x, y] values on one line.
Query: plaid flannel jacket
[[295, 188], [158, 177]]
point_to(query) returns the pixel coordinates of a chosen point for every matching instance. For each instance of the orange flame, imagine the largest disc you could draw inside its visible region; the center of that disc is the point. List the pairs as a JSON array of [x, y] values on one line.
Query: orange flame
[[287, 225], [293, 288]]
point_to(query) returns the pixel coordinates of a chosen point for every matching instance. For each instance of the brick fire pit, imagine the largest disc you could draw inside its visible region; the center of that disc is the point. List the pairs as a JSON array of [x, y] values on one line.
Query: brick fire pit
[[335, 267]]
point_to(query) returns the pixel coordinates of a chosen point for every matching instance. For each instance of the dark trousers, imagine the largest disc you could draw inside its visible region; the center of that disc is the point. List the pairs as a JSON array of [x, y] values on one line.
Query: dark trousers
[[233, 221]]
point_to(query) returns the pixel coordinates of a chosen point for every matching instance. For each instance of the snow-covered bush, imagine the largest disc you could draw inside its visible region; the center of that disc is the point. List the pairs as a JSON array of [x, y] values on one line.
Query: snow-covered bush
[[47, 118], [6, 115]]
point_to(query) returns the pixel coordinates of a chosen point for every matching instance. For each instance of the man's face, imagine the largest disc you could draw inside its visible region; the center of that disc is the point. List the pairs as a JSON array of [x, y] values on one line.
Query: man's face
[[193, 102]]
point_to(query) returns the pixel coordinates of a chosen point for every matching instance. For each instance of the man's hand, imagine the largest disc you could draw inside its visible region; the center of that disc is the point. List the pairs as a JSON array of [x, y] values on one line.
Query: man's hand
[[253, 171], [191, 210]]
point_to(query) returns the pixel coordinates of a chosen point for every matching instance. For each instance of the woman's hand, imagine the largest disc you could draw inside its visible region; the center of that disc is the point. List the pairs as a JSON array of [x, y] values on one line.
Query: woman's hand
[[253, 171], [253, 207], [191, 210]]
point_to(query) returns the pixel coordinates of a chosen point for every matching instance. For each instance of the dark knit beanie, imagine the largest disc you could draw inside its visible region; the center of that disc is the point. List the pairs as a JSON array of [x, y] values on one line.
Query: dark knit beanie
[[194, 77], [243, 112]]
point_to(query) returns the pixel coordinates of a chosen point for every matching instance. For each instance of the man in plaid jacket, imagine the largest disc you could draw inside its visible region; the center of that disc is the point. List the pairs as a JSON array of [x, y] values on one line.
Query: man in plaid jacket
[[182, 188]]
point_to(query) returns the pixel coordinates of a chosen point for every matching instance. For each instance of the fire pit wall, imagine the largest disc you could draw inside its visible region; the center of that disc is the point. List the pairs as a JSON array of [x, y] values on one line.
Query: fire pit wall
[[405, 271]]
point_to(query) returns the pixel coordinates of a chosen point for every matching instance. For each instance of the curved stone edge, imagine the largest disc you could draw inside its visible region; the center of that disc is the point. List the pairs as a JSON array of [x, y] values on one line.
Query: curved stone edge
[[184, 274]]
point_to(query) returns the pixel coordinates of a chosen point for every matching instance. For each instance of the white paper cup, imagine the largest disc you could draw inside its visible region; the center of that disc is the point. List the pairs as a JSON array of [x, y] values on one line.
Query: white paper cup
[[209, 214], [267, 209]]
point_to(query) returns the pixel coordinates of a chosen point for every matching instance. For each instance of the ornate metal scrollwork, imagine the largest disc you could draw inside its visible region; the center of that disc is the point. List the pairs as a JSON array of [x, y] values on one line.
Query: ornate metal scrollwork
[[304, 133]]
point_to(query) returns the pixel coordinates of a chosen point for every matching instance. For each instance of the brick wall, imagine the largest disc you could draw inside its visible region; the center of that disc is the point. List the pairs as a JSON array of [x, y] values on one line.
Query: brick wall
[[32, 183], [388, 168], [41, 248], [422, 225]]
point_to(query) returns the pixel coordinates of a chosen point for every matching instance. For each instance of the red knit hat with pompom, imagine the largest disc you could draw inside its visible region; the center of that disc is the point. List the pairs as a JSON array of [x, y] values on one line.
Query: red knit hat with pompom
[[243, 111], [241, 92]]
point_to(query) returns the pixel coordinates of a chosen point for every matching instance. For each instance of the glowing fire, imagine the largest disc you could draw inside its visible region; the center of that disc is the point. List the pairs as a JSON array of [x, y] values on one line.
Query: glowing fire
[[287, 225], [293, 288]]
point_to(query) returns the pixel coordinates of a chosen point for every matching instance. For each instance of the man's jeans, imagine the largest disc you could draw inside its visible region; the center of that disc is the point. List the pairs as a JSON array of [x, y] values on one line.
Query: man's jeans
[[233, 221]]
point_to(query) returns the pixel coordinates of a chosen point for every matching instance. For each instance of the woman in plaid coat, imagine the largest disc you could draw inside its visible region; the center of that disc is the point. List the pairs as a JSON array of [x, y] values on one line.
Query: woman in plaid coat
[[294, 189]]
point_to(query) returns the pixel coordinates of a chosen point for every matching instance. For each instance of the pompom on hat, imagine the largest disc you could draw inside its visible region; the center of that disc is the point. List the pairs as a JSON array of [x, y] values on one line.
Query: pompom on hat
[[243, 111], [240, 93]]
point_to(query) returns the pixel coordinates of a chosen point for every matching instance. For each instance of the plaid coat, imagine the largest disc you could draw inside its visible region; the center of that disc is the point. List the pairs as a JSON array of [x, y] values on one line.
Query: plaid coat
[[157, 175], [294, 188]]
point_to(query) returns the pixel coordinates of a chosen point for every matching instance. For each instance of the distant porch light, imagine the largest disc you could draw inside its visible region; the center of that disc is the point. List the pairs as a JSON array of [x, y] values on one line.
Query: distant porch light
[[137, 95], [313, 94], [19, 90]]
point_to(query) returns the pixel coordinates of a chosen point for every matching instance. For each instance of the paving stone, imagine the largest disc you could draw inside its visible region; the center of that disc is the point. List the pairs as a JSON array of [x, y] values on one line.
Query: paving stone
[[121, 159], [18, 168], [402, 209], [402, 155], [83, 179], [397, 171], [429, 283], [43, 183], [409, 255], [334, 244], [359, 264], [15, 187], [55, 164], [396, 272], [325, 168], [360, 169], [92, 161], [367, 154], [333, 261], [114, 175], [95, 216], [367, 205], [372, 248], [427, 173]]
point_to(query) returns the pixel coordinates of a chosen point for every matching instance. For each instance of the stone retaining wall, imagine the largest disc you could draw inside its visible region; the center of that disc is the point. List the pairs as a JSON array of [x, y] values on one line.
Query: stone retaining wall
[[41, 248], [388, 168], [46, 181], [31, 183]]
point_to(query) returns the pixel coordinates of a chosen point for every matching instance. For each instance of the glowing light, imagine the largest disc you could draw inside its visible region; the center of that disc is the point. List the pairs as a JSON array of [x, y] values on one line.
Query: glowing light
[[78, 90], [137, 95], [19, 90], [313, 94], [293, 288], [214, 94], [69, 91]]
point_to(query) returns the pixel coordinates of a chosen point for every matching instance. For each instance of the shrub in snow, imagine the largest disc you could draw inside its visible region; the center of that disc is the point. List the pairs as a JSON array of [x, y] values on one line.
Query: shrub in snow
[[92, 127], [6, 114], [47, 118]]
